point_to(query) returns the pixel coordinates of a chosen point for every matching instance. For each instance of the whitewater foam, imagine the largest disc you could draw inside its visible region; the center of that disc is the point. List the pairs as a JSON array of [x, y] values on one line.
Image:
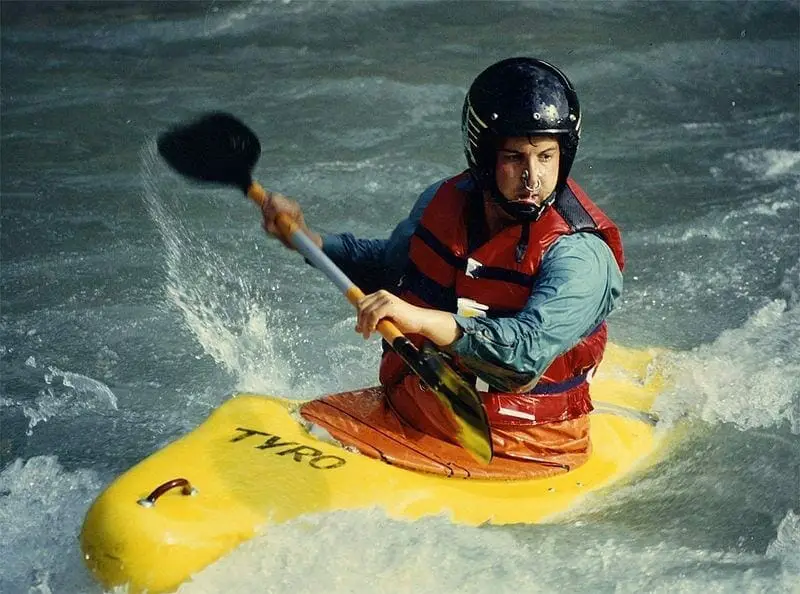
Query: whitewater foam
[[749, 376], [41, 509]]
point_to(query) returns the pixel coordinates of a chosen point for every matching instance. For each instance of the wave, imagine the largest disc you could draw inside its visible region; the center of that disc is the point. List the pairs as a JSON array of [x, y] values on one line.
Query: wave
[[41, 509], [786, 546], [357, 552], [66, 394], [748, 377]]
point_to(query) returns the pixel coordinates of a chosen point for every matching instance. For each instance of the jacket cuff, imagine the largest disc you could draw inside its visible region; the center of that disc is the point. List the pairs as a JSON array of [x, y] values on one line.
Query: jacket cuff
[[461, 345]]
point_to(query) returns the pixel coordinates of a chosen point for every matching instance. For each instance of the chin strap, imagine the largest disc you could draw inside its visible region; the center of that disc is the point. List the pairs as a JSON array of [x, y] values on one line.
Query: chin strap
[[522, 212]]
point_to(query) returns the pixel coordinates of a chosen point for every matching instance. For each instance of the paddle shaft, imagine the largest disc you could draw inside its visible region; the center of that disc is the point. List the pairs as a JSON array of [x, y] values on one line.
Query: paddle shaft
[[221, 149], [303, 244]]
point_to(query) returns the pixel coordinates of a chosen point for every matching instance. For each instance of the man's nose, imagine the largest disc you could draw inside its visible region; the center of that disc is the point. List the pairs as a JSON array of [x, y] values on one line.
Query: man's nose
[[530, 177], [534, 167]]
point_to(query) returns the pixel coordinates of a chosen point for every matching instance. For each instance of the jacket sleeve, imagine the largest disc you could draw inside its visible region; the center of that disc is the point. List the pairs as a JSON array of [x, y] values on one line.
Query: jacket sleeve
[[578, 285], [374, 264]]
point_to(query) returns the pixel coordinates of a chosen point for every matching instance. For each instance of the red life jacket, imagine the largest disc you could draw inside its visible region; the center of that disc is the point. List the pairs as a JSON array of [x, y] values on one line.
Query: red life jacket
[[500, 275]]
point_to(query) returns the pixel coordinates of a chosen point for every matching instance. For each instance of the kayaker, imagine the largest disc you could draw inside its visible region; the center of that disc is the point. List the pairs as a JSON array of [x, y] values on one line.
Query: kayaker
[[508, 267]]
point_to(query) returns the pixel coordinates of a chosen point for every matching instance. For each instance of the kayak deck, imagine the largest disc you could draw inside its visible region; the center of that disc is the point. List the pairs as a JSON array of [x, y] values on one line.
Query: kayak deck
[[253, 464]]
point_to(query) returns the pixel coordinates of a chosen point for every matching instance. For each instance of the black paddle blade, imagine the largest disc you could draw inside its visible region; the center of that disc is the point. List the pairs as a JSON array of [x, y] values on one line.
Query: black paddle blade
[[217, 147], [454, 393], [463, 400]]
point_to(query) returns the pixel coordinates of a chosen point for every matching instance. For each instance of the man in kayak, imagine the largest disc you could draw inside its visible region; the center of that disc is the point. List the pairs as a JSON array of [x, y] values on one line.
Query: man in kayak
[[508, 267]]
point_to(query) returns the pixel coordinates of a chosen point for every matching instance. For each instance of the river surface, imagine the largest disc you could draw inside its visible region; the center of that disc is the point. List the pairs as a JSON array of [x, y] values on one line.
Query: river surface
[[134, 303]]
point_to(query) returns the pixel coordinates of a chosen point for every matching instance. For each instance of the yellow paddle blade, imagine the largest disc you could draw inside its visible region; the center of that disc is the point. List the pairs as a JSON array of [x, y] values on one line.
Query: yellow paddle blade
[[460, 398]]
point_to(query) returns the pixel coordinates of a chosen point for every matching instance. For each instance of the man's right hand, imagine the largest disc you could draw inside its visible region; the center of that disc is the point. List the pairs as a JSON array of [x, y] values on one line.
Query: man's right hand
[[275, 204]]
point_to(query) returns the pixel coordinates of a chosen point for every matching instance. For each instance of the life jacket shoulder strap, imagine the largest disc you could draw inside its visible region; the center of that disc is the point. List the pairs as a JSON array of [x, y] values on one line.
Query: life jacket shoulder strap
[[573, 212]]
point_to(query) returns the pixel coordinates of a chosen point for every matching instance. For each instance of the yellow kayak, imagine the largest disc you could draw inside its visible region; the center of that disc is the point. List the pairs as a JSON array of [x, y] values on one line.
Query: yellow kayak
[[251, 464]]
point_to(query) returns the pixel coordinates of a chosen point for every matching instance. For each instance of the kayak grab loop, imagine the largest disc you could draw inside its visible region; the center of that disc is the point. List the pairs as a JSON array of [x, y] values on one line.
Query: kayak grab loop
[[186, 489]]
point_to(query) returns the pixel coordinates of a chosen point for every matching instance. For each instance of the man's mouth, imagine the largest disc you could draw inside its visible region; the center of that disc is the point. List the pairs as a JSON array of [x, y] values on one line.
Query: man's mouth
[[529, 197]]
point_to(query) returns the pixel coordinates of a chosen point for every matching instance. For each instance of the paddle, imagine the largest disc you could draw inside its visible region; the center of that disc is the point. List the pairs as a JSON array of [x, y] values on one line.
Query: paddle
[[221, 149]]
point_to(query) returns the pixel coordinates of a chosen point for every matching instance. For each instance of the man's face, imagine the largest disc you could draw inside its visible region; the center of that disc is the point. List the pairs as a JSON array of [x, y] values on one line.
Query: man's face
[[539, 156]]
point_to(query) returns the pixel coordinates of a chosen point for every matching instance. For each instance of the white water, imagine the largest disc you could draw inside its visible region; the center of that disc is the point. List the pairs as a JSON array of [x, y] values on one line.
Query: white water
[[134, 303]]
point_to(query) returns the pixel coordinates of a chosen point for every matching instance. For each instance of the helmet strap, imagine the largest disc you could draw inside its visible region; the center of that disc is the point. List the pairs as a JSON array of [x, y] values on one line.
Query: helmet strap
[[523, 213]]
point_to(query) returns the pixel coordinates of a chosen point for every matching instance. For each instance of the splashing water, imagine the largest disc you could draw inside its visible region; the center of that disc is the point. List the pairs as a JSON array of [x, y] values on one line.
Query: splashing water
[[67, 393], [749, 376], [381, 555], [41, 506], [227, 315], [786, 546]]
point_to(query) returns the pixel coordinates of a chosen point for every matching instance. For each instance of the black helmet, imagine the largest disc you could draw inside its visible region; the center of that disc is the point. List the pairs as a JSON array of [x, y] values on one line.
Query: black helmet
[[518, 97]]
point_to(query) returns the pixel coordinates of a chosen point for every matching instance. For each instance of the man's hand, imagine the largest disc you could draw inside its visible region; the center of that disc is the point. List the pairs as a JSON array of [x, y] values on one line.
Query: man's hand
[[275, 204], [438, 326]]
